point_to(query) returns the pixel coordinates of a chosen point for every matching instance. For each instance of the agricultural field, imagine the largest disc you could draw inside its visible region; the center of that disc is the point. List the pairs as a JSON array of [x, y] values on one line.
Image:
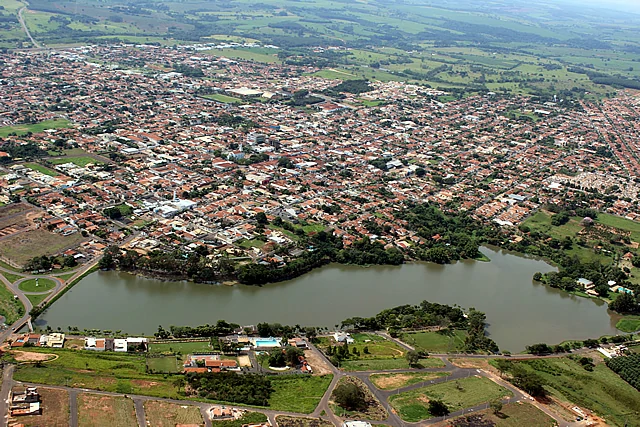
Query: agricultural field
[[163, 414], [55, 409], [446, 341], [34, 128], [298, 393], [601, 390], [96, 410], [396, 381], [23, 246], [412, 406]]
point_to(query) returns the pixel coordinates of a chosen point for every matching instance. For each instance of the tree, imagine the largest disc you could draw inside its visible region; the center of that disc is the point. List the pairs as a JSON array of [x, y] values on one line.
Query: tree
[[178, 383], [413, 357], [496, 406], [261, 217], [438, 408], [350, 397]]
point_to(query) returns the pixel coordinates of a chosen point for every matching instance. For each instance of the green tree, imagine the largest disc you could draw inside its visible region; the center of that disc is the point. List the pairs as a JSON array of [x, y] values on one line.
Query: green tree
[[496, 406], [413, 357], [350, 397], [438, 408]]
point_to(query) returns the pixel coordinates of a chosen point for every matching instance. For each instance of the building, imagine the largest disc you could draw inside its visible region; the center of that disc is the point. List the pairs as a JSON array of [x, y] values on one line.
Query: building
[[116, 344], [356, 424], [256, 138], [343, 337], [209, 363], [25, 402], [54, 340]]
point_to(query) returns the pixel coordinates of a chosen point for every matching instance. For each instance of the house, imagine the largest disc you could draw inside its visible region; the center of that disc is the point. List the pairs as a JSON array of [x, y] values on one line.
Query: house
[[585, 283], [25, 402], [53, 340], [343, 337], [356, 424], [209, 363], [298, 342]]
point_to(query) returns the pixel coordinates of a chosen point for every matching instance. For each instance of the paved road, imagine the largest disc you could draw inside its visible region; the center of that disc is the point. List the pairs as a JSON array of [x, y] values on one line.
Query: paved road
[[7, 383], [73, 408], [139, 405], [26, 30]]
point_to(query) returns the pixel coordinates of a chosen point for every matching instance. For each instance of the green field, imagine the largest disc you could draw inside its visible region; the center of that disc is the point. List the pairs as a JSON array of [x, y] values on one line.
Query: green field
[[459, 394], [10, 307], [34, 128], [601, 391], [621, 224], [180, 347], [11, 277], [629, 324], [296, 393], [81, 161], [399, 380], [43, 285], [253, 243], [98, 371], [36, 299], [163, 364], [39, 168], [223, 98], [436, 342]]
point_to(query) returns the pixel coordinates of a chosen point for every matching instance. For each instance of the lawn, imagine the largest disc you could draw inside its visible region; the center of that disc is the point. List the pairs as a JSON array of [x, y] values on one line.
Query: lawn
[[95, 410], [622, 224], [296, 393], [163, 414], [445, 341], [180, 347], [412, 406], [223, 98], [42, 285], [34, 128], [395, 381], [253, 243], [55, 409], [512, 415], [39, 168], [629, 324], [601, 391], [385, 364], [100, 371], [81, 161], [164, 364], [22, 247], [66, 277], [36, 299], [10, 307], [11, 277]]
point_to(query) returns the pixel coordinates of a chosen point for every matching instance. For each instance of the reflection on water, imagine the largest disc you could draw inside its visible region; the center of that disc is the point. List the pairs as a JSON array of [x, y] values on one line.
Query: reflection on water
[[520, 312]]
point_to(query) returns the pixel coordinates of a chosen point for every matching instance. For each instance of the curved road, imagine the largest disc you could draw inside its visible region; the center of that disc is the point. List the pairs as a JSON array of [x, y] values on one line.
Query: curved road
[[26, 30]]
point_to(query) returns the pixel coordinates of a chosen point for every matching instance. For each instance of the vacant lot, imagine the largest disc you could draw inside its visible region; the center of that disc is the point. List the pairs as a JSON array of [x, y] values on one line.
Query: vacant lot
[[162, 414], [95, 410], [55, 409], [395, 381], [286, 421], [413, 405], [41, 285], [180, 347], [23, 246], [164, 364], [373, 411], [384, 364], [445, 341], [512, 415], [298, 393], [601, 391]]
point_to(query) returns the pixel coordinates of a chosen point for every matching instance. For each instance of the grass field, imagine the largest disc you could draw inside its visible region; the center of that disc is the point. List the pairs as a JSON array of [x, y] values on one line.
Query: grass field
[[55, 409], [621, 224], [298, 393], [512, 415], [164, 364], [43, 285], [81, 161], [249, 418], [436, 342], [163, 414], [395, 381], [11, 277], [36, 299], [464, 393], [384, 364], [10, 307], [39, 168], [629, 324], [65, 277], [253, 243], [99, 371], [180, 347], [223, 98], [601, 391], [24, 246], [34, 128], [95, 410]]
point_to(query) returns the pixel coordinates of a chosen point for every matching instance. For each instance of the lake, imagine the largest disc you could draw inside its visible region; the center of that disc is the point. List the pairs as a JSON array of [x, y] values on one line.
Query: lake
[[519, 311]]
